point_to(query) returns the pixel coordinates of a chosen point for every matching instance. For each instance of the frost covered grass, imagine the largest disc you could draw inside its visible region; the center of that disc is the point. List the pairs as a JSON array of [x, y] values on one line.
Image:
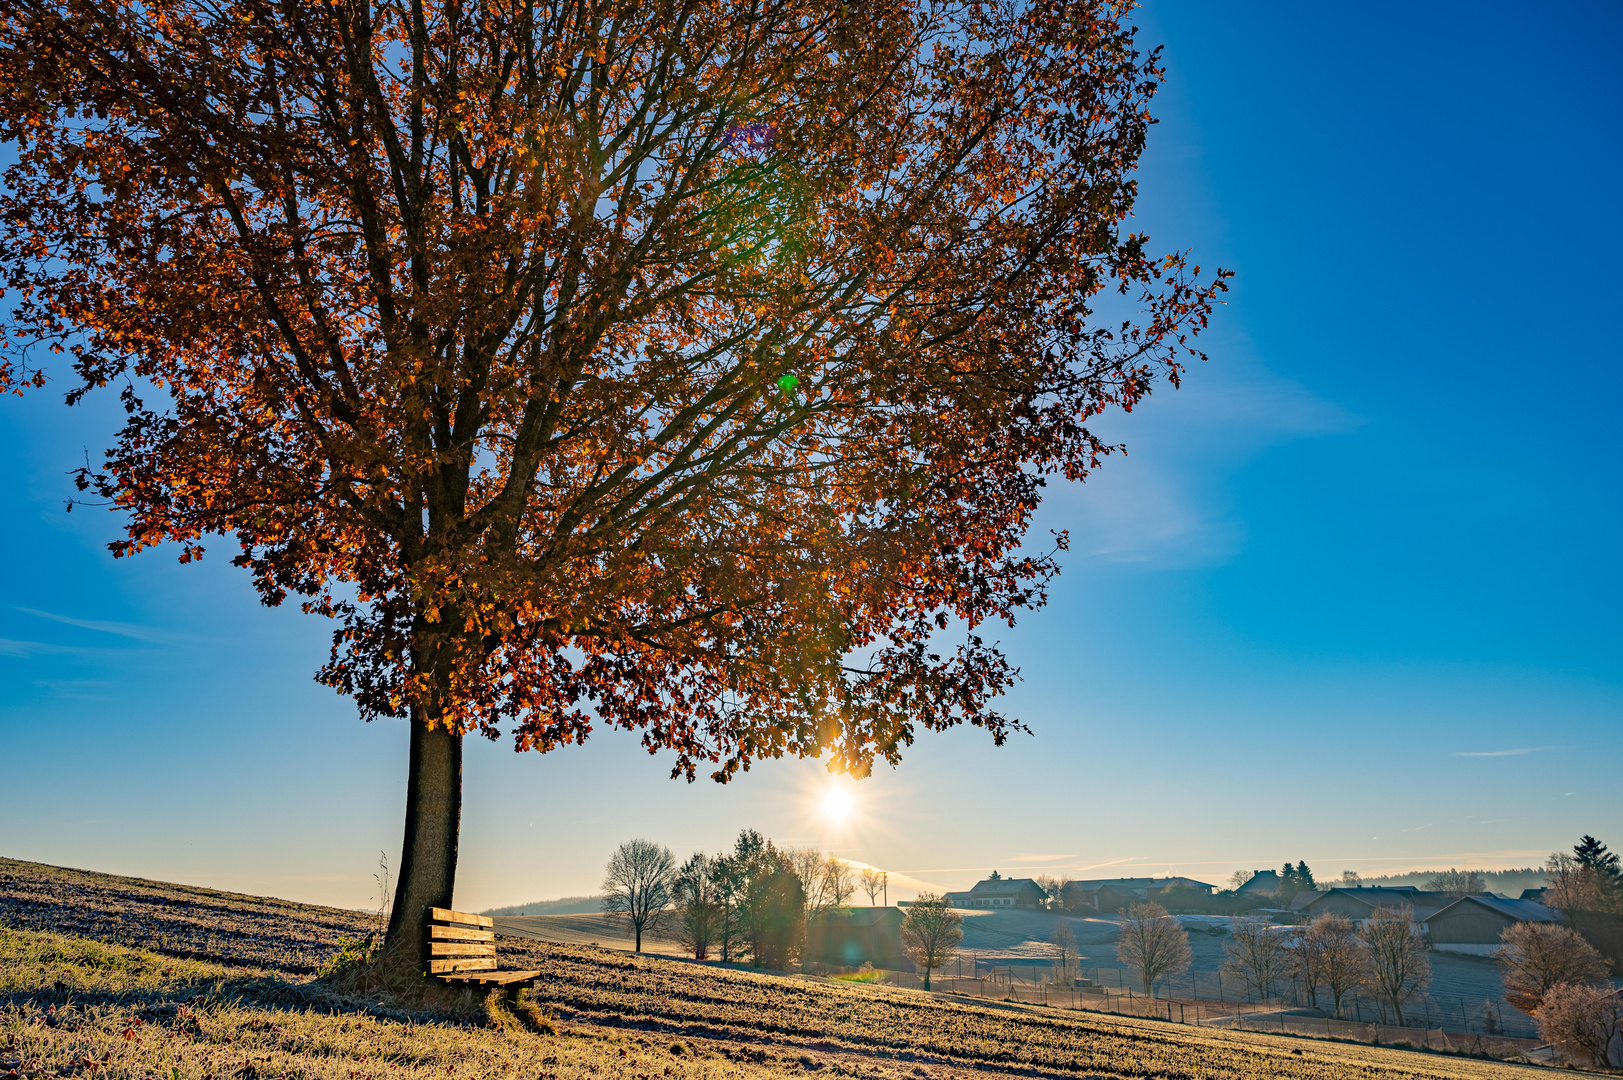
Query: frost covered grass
[[71, 1006]]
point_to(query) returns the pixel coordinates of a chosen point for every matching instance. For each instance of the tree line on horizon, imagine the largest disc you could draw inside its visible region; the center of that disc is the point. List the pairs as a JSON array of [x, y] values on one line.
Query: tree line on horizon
[[751, 902]]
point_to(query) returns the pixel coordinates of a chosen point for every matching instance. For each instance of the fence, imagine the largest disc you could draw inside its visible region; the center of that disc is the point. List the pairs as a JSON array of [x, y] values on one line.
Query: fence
[[1450, 1012], [1436, 1021]]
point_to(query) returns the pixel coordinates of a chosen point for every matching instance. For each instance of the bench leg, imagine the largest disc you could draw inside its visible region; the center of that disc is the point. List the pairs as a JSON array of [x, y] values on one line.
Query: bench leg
[[506, 1005]]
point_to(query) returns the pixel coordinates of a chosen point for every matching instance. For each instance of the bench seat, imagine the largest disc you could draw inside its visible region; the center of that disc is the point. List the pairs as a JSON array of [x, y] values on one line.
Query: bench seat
[[490, 978]]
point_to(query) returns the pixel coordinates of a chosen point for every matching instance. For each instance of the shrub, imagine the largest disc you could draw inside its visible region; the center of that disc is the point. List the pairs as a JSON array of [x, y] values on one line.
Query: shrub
[[1584, 1023], [353, 955], [1537, 956]]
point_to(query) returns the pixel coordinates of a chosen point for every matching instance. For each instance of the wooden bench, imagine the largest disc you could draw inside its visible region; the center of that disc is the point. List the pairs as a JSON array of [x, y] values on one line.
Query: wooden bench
[[462, 950]]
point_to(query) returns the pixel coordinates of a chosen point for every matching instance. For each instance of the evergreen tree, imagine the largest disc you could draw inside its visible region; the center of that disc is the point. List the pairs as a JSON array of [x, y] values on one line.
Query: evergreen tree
[[1600, 866], [1304, 876], [1289, 885], [1593, 854]]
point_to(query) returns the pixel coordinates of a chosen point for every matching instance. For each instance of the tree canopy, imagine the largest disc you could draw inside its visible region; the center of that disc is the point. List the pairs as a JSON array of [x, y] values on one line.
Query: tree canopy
[[684, 367]]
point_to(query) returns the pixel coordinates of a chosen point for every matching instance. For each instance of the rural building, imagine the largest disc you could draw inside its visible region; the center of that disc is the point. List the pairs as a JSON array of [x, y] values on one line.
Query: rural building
[[1360, 903], [850, 937], [1473, 924], [1536, 895], [1262, 883], [998, 891], [1113, 894]]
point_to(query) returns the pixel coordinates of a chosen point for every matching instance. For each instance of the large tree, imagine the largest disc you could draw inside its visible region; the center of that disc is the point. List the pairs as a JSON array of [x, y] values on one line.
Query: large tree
[[1339, 959], [685, 367], [931, 933], [1255, 953], [699, 906], [639, 884], [1396, 954], [1152, 944]]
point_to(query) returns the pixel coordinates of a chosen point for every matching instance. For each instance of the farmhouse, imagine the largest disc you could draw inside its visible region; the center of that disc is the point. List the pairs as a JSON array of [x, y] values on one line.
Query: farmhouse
[[1262, 882], [998, 891], [1473, 924], [1113, 894]]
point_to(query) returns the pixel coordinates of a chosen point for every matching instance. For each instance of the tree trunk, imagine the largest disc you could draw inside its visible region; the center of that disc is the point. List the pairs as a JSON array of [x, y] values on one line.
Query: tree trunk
[[639, 937], [428, 855]]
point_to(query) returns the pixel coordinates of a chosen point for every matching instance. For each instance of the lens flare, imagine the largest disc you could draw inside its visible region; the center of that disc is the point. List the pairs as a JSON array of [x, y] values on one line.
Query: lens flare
[[837, 804]]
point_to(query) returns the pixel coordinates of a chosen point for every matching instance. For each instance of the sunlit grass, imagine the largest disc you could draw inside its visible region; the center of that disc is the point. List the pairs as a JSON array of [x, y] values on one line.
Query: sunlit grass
[[71, 1006], [874, 976]]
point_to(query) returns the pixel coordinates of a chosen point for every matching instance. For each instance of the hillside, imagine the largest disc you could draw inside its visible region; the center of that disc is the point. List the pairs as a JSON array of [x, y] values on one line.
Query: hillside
[[220, 989], [568, 905]]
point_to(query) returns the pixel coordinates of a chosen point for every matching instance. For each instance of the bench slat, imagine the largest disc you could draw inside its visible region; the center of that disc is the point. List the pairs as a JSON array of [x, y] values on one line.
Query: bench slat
[[483, 963], [459, 948], [458, 933], [440, 914]]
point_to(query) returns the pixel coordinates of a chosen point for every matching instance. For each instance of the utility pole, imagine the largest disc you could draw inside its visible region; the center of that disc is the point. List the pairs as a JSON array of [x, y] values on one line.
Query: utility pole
[[884, 879]]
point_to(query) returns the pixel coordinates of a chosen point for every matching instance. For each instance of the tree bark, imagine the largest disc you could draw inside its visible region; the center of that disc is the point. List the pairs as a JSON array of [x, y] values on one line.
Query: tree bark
[[428, 854]]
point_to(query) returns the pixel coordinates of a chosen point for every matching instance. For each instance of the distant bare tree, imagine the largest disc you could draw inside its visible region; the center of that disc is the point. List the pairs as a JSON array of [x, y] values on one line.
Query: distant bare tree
[[931, 933], [1305, 962], [1585, 1023], [871, 881], [1458, 883], [1537, 957], [1053, 887], [637, 885], [1342, 961], [1569, 885], [1350, 879], [1398, 967], [825, 880], [1255, 954], [1152, 945], [1064, 943], [1240, 877], [698, 902], [841, 887]]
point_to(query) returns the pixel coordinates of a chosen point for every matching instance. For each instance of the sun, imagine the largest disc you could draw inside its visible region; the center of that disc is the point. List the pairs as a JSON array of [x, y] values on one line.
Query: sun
[[837, 805]]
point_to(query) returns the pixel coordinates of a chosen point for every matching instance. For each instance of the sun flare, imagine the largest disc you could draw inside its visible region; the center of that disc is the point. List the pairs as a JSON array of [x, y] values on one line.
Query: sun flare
[[837, 805]]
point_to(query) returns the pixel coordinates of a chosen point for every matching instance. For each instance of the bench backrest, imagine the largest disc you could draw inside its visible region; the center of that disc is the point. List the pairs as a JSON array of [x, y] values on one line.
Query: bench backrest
[[459, 941]]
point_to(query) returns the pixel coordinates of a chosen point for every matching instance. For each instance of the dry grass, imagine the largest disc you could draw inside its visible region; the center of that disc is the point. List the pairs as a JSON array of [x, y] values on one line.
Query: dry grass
[[71, 1007], [75, 1008], [175, 920]]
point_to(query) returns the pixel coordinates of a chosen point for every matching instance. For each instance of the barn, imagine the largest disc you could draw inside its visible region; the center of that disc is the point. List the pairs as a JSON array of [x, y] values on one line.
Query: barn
[[848, 937], [1473, 924], [1360, 903]]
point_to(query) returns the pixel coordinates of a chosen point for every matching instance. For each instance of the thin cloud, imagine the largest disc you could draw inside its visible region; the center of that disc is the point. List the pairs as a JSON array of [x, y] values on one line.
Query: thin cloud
[[27, 650], [134, 631], [81, 689], [1507, 753], [1040, 858]]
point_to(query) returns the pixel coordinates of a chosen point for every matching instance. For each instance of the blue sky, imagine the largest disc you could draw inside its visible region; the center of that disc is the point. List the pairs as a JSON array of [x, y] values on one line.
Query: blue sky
[[1353, 596]]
